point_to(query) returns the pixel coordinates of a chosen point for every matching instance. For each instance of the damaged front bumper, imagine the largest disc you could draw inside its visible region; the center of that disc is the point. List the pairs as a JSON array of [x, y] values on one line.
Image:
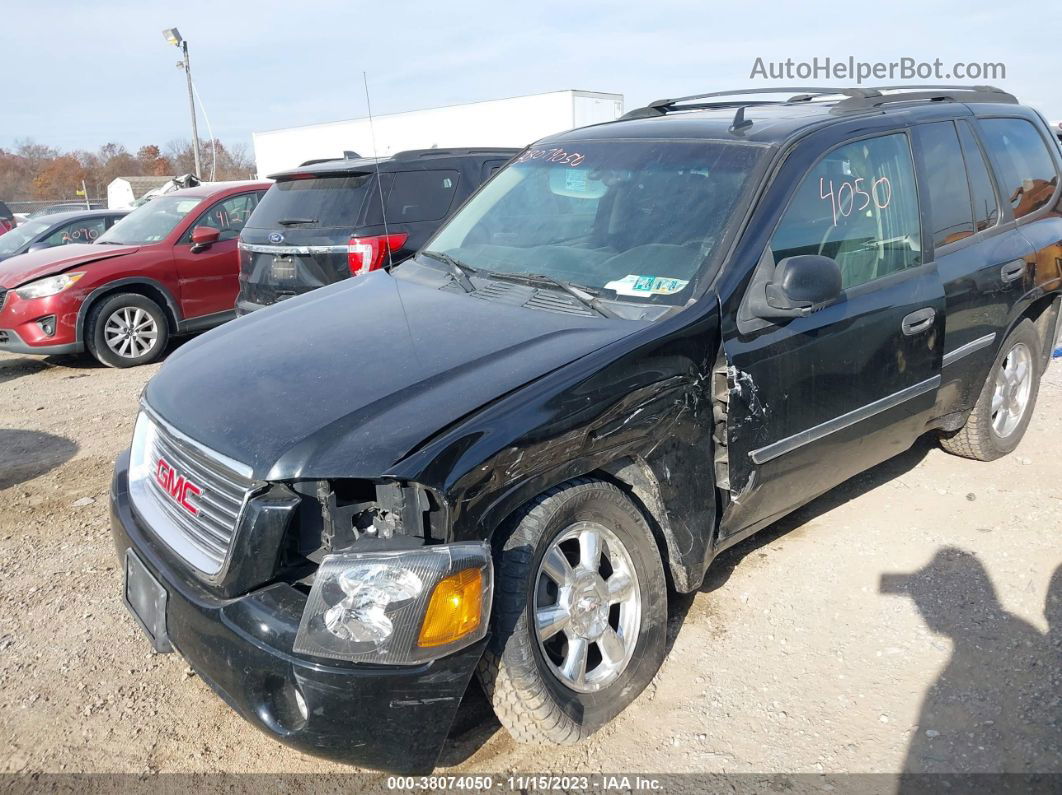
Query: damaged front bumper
[[393, 718]]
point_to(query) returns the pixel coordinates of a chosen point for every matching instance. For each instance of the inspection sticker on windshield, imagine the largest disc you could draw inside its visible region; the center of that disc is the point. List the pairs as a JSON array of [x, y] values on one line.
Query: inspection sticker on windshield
[[646, 285], [575, 180]]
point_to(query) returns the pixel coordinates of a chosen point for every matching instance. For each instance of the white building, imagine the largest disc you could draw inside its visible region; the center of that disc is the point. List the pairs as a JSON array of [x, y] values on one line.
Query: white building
[[123, 191], [516, 121]]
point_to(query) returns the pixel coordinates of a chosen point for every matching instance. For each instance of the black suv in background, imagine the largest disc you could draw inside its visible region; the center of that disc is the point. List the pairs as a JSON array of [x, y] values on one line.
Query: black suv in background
[[638, 344], [322, 222]]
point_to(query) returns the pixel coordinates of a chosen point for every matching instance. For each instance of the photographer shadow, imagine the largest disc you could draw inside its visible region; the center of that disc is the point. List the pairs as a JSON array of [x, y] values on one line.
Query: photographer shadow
[[25, 455], [996, 706]]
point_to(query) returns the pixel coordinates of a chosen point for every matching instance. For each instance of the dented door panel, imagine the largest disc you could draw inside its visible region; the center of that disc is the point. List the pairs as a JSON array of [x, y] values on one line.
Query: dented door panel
[[818, 399]]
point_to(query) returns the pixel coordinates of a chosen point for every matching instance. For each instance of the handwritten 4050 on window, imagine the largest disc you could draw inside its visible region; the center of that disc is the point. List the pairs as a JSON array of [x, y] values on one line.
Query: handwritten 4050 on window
[[850, 196]]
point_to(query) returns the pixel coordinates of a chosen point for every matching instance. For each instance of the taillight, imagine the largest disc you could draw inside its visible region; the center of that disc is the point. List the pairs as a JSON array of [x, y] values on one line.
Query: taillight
[[366, 254]]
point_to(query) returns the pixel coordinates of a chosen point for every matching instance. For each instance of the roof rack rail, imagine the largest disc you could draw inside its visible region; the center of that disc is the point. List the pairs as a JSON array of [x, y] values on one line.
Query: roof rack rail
[[855, 98], [927, 93], [661, 107], [413, 154]]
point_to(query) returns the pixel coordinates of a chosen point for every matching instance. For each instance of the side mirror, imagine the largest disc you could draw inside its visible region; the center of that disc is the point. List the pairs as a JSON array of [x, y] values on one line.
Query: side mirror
[[203, 237], [800, 285]]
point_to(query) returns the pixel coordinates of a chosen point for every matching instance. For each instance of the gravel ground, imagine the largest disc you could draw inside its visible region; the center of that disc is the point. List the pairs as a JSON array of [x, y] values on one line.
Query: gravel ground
[[791, 658]]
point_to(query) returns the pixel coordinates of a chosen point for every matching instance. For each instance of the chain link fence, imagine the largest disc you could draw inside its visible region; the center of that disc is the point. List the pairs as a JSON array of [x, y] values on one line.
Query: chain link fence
[[32, 205]]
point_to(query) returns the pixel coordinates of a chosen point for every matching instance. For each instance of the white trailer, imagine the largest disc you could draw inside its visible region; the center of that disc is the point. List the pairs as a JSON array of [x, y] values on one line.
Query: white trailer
[[500, 122]]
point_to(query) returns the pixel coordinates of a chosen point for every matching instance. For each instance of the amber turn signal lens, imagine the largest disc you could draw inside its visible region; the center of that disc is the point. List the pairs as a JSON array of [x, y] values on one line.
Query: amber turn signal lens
[[455, 609]]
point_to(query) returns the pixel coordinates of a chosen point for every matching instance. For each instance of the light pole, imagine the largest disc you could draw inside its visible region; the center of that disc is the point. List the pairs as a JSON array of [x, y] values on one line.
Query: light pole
[[174, 37]]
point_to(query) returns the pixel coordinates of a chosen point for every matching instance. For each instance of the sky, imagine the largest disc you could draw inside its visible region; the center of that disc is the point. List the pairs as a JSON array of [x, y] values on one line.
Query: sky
[[80, 74]]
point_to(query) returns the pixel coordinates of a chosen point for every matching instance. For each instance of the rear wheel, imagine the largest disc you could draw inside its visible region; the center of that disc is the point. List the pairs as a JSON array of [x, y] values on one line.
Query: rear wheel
[[126, 330], [1005, 406], [579, 614]]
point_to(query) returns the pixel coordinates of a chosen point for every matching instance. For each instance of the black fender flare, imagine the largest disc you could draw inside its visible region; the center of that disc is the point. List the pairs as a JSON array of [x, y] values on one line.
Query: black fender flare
[[173, 311]]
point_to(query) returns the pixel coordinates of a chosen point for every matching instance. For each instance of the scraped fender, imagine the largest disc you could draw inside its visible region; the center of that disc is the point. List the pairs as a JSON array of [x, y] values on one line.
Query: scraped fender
[[638, 412]]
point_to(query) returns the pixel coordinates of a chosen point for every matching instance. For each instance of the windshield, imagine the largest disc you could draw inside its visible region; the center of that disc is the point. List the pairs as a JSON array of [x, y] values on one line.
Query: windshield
[[20, 235], [637, 218], [327, 201], [150, 223]]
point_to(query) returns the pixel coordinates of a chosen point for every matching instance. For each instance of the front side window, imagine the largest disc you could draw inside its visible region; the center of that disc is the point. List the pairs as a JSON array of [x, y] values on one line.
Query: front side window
[[1023, 164], [227, 216], [627, 219], [151, 222], [86, 230], [858, 205]]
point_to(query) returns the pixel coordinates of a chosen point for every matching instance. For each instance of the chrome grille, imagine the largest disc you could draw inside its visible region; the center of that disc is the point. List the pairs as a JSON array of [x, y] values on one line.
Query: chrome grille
[[203, 535]]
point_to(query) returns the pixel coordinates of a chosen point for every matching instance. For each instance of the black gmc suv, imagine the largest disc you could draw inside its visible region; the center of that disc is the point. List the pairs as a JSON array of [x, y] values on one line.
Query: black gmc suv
[[323, 221], [637, 345]]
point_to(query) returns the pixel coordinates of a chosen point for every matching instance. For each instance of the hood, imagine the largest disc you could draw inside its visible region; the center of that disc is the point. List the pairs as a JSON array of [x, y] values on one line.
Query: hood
[[24, 268], [346, 380]]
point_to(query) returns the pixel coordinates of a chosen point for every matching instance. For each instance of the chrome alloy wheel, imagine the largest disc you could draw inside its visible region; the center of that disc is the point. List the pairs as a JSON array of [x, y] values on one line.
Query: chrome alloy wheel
[[587, 607], [130, 332], [1013, 387]]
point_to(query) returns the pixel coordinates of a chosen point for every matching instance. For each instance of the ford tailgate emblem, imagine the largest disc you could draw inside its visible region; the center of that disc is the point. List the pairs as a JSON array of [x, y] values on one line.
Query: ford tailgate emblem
[[276, 237]]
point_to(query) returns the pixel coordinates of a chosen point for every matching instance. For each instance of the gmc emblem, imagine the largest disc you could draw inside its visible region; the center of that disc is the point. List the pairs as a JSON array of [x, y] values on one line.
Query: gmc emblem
[[178, 487]]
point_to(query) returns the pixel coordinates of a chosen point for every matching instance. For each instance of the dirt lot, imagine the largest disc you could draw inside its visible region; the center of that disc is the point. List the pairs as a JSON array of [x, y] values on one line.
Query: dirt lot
[[790, 659]]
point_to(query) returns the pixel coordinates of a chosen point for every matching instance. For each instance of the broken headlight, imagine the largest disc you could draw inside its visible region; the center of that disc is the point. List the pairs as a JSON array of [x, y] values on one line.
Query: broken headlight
[[398, 607]]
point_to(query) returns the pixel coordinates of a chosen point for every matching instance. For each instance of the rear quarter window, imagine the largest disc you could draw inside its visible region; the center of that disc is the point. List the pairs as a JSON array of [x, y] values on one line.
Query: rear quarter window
[[1022, 162], [421, 195]]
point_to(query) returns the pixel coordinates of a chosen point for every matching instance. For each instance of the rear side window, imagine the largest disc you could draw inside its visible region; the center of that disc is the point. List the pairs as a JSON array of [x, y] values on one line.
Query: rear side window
[[944, 172], [325, 201], [858, 205], [985, 202], [421, 195], [1023, 163]]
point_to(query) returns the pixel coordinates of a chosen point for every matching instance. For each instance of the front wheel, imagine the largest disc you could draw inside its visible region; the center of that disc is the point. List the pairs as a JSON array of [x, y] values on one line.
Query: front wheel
[[579, 617], [1005, 406], [126, 330]]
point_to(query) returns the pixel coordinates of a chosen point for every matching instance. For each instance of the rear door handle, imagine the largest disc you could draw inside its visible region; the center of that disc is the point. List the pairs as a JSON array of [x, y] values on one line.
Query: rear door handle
[[919, 321], [1012, 271]]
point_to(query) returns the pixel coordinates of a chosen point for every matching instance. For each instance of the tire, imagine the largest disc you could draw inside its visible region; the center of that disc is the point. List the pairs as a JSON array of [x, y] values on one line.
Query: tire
[[991, 432], [522, 674], [116, 313]]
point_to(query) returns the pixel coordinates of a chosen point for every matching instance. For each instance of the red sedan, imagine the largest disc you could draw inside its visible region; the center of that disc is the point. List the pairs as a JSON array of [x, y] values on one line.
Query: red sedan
[[169, 267]]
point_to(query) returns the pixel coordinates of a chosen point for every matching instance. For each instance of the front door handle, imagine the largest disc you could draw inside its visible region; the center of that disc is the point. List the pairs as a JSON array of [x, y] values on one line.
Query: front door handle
[[1012, 271], [917, 322]]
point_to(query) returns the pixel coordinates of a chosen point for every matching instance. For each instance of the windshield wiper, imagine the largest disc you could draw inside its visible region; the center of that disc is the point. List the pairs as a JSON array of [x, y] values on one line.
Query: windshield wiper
[[584, 295], [457, 269], [294, 221]]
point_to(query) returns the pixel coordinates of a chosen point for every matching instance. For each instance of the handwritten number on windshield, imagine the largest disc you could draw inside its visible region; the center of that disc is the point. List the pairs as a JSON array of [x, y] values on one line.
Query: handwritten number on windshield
[[552, 156], [851, 196]]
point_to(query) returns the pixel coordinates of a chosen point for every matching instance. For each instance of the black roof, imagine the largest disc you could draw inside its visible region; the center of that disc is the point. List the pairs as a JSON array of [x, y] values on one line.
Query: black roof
[[733, 116], [357, 165]]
